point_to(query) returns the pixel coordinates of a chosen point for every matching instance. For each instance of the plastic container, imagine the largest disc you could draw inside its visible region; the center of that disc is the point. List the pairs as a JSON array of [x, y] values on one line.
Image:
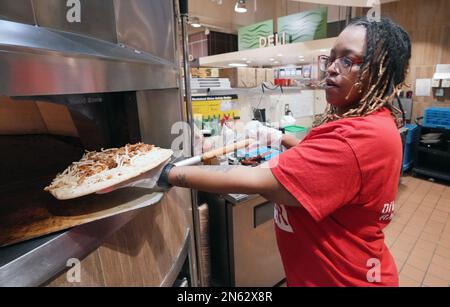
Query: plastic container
[[287, 121], [408, 151], [298, 131], [437, 117], [412, 133]]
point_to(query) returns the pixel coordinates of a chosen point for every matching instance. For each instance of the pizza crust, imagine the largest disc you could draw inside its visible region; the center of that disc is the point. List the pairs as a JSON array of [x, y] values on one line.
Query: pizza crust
[[143, 164]]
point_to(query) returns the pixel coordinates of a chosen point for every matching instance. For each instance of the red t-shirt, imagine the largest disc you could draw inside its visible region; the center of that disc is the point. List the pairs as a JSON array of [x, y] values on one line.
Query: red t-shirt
[[345, 175]]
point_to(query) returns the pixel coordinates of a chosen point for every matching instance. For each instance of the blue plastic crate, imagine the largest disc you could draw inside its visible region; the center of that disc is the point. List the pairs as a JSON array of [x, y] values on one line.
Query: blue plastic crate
[[437, 117], [408, 156], [412, 133]]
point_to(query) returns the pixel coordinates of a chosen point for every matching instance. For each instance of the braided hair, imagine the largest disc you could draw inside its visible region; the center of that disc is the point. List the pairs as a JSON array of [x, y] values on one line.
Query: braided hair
[[385, 65]]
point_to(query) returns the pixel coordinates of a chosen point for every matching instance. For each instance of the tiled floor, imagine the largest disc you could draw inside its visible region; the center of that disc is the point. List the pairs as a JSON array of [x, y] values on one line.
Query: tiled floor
[[419, 235]]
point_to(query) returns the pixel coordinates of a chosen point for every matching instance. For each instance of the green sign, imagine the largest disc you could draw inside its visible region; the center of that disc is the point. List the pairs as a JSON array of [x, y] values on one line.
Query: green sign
[[249, 35], [305, 26]]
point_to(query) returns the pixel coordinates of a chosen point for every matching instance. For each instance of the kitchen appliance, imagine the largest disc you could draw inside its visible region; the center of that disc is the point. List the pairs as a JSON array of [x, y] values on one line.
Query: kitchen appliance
[[68, 86], [243, 246], [431, 151]]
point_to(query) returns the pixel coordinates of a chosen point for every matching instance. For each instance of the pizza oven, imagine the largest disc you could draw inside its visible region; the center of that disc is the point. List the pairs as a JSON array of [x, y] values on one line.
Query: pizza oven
[[66, 87]]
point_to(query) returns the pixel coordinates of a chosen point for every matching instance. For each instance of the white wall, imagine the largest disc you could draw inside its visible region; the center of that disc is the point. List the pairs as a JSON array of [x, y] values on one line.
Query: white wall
[[274, 103]]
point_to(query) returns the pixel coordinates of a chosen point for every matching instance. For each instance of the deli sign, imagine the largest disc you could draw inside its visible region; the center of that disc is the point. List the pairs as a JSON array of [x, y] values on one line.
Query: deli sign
[[272, 40]]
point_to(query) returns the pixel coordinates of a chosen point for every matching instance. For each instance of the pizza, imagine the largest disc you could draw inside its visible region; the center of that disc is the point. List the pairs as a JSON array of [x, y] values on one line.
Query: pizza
[[97, 171]]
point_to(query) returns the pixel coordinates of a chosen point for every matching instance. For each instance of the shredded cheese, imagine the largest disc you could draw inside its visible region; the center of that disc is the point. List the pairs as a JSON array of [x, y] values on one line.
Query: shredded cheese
[[95, 167]]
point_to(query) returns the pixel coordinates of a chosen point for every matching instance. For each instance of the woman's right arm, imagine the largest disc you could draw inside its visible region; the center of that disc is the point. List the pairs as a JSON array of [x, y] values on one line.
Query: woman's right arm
[[232, 179], [289, 141]]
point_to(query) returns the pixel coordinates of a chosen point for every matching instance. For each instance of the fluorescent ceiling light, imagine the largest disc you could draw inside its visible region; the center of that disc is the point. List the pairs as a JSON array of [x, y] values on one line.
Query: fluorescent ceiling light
[[279, 55], [272, 59], [241, 7], [323, 50], [237, 65]]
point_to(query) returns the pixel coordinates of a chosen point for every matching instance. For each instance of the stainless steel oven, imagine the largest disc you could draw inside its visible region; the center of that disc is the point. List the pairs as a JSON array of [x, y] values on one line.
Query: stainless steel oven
[[111, 79]]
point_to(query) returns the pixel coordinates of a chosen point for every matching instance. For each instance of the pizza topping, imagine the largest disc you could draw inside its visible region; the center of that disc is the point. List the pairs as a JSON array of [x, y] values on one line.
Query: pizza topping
[[98, 166]]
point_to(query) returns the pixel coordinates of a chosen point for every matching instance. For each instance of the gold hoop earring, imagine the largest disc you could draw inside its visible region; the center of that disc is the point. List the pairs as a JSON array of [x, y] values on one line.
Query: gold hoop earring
[[358, 84], [360, 88]]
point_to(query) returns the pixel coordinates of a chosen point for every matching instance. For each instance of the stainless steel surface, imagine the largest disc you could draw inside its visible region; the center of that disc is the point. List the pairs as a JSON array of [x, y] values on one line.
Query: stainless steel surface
[[257, 261], [180, 259], [43, 61], [158, 112], [190, 120], [407, 105], [188, 162], [97, 17], [187, 79], [36, 265], [83, 59], [36, 75], [147, 26], [18, 11], [238, 198], [193, 259], [244, 250]]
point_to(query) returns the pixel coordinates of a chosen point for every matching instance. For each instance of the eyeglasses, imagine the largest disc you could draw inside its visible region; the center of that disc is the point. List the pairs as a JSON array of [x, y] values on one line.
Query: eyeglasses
[[343, 64]]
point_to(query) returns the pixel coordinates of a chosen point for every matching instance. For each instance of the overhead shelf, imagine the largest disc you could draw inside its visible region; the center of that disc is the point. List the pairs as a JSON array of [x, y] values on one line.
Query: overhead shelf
[[297, 53], [354, 3]]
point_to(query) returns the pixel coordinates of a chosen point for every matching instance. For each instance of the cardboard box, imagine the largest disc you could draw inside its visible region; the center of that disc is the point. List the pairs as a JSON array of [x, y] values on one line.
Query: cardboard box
[[270, 75], [260, 76], [240, 77], [251, 77], [205, 72]]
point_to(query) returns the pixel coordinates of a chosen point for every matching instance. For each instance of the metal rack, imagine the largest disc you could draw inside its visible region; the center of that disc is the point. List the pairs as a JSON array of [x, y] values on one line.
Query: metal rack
[[432, 160]]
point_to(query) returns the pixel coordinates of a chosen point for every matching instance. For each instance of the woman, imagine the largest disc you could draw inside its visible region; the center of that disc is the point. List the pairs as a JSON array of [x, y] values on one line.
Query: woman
[[336, 189]]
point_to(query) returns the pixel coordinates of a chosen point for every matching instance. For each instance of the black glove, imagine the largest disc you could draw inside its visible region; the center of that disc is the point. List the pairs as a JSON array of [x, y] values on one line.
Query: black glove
[[163, 181]]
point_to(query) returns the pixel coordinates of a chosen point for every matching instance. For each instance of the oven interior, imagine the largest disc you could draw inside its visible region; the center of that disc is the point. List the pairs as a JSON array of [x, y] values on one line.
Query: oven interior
[[39, 138]]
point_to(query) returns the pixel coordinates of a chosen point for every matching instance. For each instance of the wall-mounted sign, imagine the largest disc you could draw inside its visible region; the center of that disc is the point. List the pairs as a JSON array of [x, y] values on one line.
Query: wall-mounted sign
[[304, 26], [216, 106], [272, 40], [249, 36], [301, 27]]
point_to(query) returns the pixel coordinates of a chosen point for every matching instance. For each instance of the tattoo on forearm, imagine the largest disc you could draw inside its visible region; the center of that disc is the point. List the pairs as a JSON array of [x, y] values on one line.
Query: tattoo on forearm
[[181, 180], [218, 168]]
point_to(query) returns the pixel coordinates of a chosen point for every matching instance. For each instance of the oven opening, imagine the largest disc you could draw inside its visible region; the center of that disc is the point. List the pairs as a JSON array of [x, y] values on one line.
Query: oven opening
[[42, 136]]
